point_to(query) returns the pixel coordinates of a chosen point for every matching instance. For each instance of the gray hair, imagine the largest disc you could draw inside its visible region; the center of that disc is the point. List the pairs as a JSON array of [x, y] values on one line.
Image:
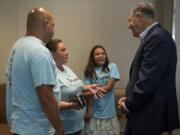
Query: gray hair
[[146, 8]]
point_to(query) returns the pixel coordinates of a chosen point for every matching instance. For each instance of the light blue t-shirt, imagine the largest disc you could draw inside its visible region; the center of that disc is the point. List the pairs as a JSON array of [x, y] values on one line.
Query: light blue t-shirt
[[104, 107], [73, 120], [30, 65]]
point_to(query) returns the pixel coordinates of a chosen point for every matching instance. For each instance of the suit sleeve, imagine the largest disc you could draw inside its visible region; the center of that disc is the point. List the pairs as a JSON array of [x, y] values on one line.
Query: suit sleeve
[[155, 60]]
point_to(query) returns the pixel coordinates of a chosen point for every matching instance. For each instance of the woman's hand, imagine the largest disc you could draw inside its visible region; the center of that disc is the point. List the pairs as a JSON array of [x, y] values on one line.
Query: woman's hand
[[95, 90], [73, 105], [69, 105]]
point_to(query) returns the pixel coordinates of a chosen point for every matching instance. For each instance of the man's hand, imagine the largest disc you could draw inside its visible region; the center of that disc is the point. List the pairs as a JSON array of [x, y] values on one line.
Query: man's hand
[[121, 104]]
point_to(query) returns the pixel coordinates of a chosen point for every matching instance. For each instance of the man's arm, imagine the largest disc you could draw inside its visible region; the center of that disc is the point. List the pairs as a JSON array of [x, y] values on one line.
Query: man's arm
[[156, 54], [50, 107]]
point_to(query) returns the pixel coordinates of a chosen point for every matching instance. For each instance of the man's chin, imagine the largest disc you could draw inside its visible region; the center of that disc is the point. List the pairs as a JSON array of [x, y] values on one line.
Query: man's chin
[[135, 35]]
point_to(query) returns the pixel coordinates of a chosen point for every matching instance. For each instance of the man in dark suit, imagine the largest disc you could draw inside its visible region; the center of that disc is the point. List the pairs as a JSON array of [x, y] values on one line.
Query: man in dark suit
[[151, 101]]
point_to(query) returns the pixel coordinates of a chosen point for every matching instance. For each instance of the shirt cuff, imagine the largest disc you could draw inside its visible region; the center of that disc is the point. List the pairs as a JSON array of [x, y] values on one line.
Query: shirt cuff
[[125, 108]]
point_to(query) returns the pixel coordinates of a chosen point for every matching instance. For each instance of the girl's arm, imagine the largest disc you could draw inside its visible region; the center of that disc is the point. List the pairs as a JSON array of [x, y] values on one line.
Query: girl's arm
[[110, 84], [93, 90], [88, 115]]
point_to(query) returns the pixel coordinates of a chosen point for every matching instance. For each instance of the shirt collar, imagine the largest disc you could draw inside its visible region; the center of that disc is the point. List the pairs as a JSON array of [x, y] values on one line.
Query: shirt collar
[[144, 33], [35, 38]]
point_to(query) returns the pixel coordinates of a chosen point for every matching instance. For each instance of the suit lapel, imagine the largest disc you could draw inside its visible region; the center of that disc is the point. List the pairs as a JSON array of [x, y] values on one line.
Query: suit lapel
[[141, 45], [139, 49]]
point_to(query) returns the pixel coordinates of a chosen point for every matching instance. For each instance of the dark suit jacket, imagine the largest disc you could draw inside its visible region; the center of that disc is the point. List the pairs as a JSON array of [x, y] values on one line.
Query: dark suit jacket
[[151, 90]]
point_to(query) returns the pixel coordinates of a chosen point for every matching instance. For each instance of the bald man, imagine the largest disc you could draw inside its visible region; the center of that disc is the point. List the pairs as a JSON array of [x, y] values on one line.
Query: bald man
[[32, 93]]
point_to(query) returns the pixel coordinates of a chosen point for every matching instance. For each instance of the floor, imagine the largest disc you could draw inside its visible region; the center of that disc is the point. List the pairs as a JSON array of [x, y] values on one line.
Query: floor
[[175, 132]]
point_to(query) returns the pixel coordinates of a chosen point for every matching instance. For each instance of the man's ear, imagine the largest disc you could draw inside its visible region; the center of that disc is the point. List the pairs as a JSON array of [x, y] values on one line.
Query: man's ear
[[140, 16], [45, 24]]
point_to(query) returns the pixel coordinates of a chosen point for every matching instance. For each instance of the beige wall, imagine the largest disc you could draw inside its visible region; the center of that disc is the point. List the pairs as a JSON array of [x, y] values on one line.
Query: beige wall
[[81, 24], [7, 33], [176, 33], [164, 10]]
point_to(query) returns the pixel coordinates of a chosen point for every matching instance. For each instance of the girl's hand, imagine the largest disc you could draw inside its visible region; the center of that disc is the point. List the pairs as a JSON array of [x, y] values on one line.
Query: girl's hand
[[95, 90]]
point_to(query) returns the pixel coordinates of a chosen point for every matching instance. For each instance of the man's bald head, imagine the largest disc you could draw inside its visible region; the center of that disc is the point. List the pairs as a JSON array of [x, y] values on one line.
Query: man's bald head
[[36, 16], [40, 23]]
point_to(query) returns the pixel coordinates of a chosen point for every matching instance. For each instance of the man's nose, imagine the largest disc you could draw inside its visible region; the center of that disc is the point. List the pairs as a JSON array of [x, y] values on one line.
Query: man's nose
[[129, 25]]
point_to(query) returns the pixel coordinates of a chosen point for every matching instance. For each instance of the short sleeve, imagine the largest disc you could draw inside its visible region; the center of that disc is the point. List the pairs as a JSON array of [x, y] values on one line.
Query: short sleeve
[[114, 72], [43, 69]]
